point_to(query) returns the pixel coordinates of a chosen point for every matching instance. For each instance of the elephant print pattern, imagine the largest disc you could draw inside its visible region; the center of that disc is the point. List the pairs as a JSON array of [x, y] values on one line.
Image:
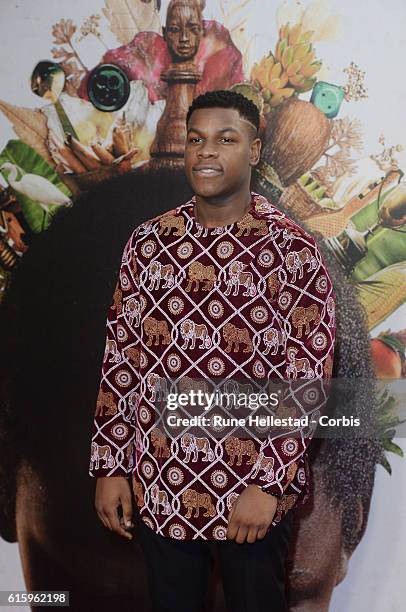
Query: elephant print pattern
[[250, 300]]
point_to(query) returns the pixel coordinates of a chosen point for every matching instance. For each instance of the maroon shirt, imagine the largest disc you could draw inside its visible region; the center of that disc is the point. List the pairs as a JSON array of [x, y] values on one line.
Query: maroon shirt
[[249, 301]]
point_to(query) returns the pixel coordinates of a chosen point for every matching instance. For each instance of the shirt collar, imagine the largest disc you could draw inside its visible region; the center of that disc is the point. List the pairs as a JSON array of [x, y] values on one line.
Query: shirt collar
[[260, 206]]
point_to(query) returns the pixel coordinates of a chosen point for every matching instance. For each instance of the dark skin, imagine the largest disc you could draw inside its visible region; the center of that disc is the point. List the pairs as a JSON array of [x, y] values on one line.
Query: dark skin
[[221, 149], [111, 493], [223, 196]]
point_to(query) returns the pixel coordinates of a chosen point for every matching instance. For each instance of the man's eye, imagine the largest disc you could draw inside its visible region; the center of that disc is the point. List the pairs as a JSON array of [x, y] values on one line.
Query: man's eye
[[194, 139], [227, 139]]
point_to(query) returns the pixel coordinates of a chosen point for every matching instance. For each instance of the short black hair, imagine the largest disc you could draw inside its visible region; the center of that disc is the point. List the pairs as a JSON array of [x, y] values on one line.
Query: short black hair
[[225, 98]]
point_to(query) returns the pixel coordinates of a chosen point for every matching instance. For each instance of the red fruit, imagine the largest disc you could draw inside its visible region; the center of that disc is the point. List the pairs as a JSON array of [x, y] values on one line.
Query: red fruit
[[387, 362]]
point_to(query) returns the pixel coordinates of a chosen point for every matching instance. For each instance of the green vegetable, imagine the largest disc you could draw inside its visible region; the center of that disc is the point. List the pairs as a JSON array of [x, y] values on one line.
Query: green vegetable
[[29, 162]]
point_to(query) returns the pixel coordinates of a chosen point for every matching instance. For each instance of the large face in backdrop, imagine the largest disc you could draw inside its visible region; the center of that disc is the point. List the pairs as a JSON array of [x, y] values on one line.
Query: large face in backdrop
[[54, 333], [52, 325]]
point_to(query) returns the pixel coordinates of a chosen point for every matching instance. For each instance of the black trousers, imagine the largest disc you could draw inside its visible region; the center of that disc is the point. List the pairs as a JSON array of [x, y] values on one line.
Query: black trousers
[[253, 575]]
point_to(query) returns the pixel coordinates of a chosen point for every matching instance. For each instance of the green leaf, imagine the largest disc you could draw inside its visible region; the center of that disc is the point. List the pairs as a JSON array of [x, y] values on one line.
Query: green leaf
[[29, 162], [385, 463], [389, 434], [386, 405], [393, 448], [390, 422]]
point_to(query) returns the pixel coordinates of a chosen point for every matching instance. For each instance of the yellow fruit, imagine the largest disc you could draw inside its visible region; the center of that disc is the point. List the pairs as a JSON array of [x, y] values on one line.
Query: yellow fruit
[[306, 36], [297, 80], [307, 85], [293, 68], [275, 101], [274, 85], [290, 68], [309, 71], [269, 69], [286, 92], [259, 73], [308, 59], [276, 71], [301, 50], [287, 57], [294, 34], [280, 48]]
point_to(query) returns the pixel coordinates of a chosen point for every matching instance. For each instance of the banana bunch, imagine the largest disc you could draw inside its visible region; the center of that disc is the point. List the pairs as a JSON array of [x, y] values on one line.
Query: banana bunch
[[269, 77], [290, 69]]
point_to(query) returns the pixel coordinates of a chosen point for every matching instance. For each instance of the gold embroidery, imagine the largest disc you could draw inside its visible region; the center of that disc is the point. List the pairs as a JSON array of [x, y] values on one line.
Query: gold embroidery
[[105, 400], [138, 492], [235, 335], [248, 223], [169, 222], [302, 316], [155, 328], [117, 297], [191, 499], [160, 444], [284, 504], [273, 284], [197, 273], [237, 448]]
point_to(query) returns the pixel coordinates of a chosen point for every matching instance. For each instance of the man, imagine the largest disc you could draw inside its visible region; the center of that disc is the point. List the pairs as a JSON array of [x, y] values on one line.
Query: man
[[226, 286]]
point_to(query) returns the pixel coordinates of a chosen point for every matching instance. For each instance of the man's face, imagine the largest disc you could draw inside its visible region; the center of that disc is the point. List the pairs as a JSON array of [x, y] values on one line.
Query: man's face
[[183, 31], [220, 150]]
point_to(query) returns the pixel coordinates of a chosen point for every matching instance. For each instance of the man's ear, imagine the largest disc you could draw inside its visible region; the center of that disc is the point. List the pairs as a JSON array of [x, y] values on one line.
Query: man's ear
[[255, 151]]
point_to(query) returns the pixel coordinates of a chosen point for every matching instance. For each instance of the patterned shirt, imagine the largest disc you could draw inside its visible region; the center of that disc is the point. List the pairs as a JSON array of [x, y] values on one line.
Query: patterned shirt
[[250, 300]]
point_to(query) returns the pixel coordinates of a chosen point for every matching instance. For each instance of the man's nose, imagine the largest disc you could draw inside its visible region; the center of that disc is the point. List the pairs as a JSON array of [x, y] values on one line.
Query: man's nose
[[208, 151]]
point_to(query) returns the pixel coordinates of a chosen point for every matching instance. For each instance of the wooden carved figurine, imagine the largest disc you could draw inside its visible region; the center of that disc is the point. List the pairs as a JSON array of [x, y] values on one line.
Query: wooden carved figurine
[[183, 32]]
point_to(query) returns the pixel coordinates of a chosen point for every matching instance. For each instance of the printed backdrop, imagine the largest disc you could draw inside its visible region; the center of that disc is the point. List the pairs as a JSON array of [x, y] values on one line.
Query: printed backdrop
[[343, 58]]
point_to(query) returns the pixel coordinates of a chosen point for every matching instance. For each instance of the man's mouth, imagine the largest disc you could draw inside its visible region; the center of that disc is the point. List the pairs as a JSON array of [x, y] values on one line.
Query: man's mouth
[[207, 171]]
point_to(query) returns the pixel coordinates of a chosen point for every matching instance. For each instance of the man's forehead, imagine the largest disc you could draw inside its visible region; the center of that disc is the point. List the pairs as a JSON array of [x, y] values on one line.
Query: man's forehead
[[217, 116]]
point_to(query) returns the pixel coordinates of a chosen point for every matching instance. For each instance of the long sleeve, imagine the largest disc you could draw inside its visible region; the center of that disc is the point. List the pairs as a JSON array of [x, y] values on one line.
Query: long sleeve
[[114, 419], [304, 301]]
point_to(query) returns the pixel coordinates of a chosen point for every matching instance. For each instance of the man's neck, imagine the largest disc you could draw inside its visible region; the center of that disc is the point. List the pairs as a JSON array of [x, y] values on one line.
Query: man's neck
[[212, 212]]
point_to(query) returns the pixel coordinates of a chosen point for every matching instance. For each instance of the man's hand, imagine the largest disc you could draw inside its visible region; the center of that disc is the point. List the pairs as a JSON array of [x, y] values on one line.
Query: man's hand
[[112, 492], [251, 515]]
